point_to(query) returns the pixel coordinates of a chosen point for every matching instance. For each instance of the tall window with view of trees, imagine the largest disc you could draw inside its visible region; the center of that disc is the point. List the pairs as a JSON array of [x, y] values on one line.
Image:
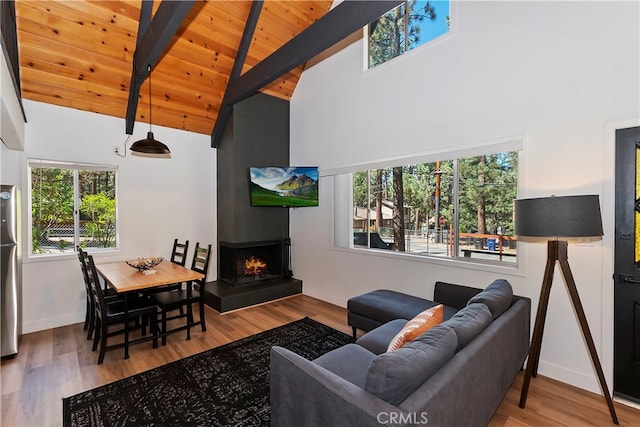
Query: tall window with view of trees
[[412, 208], [71, 205], [406, 27]]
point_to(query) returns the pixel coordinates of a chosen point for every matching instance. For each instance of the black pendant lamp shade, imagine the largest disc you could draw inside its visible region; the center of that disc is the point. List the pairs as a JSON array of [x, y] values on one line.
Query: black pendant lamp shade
[[149, 145]]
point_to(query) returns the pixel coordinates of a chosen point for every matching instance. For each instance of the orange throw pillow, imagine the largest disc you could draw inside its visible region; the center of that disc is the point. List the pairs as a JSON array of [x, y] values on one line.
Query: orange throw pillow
[[417, 326]]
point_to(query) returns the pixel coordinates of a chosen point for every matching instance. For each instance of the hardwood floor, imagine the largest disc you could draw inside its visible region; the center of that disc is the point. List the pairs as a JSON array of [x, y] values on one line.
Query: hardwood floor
[[57, 363]]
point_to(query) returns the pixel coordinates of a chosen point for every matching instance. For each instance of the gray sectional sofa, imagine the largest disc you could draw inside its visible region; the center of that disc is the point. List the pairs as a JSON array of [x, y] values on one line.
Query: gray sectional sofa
[[455, 374]]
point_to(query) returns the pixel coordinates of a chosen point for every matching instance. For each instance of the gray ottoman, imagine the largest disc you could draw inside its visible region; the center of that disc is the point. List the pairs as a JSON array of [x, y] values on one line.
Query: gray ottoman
[[368, 311]]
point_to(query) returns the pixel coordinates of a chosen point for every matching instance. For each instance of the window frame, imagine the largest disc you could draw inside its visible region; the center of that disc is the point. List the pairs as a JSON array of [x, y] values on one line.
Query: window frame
[[33, 163], [343, 208]]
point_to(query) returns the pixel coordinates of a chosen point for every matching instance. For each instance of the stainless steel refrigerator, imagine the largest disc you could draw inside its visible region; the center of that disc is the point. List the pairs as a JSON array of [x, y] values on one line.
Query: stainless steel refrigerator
[[10, 269]]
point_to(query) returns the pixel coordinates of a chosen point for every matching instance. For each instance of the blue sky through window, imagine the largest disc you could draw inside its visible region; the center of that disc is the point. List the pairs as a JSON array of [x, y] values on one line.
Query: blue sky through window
[[429, 30]]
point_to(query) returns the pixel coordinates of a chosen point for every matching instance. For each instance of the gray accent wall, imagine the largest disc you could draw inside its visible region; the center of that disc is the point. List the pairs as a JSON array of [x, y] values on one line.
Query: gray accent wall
[[257, 134]]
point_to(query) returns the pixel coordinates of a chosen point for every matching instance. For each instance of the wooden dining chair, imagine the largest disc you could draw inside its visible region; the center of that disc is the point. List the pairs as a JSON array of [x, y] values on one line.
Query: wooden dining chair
[[178, 256], [181, 298], [113, 313], [179, 252], [90, 313]]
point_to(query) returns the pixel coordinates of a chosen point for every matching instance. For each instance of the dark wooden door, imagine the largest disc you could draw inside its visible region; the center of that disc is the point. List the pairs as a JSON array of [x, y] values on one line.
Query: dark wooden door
[[626, 374]]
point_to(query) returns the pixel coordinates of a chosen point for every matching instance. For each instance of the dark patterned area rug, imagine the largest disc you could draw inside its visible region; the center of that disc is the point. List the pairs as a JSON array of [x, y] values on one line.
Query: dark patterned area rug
[[224, 386]]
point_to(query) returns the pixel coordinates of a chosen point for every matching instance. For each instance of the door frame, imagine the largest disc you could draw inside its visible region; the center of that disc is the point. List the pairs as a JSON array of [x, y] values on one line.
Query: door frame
[[608, 198]]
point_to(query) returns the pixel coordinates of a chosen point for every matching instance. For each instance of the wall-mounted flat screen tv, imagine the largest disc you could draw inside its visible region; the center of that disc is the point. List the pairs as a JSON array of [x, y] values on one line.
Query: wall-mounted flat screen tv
[[284, 186]]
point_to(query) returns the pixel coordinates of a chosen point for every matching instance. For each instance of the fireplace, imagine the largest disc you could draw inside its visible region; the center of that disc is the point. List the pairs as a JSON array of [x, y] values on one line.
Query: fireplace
[[244, 263]]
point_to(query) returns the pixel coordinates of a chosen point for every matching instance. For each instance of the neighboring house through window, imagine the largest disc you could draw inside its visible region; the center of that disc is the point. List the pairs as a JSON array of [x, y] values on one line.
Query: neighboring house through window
[[460, 207], [406, 27], [71, 205]]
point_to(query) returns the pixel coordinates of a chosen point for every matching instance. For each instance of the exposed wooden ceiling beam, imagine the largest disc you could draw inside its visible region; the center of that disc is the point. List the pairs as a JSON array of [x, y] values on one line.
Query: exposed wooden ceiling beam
[[151, 46], [243, 48], [337, 24], [135, 83], [146, 8]]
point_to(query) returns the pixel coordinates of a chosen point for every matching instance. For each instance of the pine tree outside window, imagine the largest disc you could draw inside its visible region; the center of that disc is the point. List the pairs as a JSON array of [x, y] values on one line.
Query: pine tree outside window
[[411, 24], [456, 208]]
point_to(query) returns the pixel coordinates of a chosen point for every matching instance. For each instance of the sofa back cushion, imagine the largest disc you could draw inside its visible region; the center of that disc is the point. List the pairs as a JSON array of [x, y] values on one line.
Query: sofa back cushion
[[394, 375], [497, 296], [469, 322]]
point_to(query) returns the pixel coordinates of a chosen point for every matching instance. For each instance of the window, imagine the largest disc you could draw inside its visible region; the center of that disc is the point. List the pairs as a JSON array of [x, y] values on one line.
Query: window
[[71, 205], [409, 25], [459, 208]]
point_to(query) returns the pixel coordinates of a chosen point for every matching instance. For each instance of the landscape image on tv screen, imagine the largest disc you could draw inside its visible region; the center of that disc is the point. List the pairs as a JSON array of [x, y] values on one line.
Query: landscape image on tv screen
[[284, 186]]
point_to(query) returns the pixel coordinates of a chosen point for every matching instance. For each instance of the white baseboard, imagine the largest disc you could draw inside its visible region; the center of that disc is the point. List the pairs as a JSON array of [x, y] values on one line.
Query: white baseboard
[[56, 322], [569, 376]]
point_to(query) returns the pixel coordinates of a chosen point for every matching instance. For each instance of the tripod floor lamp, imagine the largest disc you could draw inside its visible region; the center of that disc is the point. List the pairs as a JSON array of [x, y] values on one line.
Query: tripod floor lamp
[[559, 219]]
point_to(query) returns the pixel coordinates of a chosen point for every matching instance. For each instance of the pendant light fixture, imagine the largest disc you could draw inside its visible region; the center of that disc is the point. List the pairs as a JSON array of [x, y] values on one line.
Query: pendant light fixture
[[149, 145]]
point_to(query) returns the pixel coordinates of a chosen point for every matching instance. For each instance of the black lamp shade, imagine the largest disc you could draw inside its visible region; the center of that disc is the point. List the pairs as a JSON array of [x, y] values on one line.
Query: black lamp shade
[[150, 145], [566, 216]]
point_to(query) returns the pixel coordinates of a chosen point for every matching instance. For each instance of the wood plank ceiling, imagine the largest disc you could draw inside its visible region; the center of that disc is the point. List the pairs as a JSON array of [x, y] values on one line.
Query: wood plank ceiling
[[78, 54]]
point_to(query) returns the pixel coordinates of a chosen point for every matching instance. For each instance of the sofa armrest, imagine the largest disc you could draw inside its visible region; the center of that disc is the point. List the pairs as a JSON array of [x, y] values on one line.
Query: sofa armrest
[[305, 394]]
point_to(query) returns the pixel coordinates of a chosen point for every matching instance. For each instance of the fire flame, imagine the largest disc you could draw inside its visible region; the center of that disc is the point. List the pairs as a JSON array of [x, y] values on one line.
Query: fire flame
[[254, 266]]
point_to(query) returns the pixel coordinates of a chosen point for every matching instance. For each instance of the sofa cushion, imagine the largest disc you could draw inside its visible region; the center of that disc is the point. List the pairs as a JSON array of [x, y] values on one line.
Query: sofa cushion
[[417, 326], [377, 340], [394, 375], [497, 296], [349, 362], [469, 322]]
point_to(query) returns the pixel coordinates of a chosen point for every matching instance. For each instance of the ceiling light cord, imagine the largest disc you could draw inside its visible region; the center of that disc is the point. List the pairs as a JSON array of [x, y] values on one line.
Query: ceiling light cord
[[149, 71], [149, 145], [124, 145]]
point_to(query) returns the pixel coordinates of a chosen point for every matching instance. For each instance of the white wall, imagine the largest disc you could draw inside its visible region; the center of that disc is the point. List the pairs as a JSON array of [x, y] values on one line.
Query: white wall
[[561, 74], [158, 200]]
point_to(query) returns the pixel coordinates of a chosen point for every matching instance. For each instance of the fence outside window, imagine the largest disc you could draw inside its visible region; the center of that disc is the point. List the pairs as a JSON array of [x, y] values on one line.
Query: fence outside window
[[457, 208], [71, 205]]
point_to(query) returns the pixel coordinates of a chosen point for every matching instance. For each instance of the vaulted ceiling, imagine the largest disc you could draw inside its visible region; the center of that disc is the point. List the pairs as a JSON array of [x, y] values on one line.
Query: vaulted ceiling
[[79, 54]]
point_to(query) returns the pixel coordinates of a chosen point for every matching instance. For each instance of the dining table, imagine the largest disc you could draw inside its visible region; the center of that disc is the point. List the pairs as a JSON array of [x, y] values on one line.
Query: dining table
[[126, 280]]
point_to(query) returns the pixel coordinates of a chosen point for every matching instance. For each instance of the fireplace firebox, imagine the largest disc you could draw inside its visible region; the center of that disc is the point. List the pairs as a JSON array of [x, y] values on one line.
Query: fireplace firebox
[[243, 263]]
